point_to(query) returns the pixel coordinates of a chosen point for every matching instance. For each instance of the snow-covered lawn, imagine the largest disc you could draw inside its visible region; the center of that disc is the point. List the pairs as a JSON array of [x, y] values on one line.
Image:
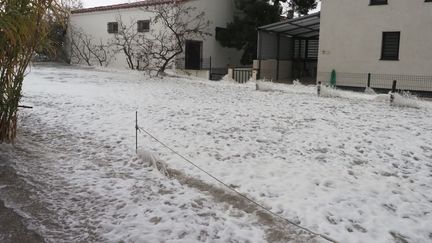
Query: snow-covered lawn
[[353, 167]]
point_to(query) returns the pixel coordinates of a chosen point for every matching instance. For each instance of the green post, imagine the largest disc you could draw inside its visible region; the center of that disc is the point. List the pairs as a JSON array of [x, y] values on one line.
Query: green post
[[333, 78]]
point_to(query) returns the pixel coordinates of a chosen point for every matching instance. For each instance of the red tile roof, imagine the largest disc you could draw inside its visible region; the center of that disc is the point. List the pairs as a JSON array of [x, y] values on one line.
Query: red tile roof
[[125, 6]]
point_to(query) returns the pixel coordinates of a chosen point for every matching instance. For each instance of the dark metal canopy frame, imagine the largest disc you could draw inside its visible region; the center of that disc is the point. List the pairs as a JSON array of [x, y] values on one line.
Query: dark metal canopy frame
[[302, 28]]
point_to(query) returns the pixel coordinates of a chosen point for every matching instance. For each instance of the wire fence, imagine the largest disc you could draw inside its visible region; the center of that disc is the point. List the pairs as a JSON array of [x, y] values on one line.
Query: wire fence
[[383, 82], [144, 131], [201, 64], [287, 70]]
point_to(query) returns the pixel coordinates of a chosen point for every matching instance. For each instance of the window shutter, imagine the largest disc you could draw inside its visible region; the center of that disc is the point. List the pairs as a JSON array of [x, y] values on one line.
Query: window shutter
[[112, 27], [390, 46], [143, 26], [378, 2]]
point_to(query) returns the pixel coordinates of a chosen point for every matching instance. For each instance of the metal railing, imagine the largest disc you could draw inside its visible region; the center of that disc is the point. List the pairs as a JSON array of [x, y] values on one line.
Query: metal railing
[[215, 73], [242, 75], [204, 64]]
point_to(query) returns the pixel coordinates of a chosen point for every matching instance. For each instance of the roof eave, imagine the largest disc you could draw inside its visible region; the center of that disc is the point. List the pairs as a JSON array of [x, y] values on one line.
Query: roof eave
[[125, 6]]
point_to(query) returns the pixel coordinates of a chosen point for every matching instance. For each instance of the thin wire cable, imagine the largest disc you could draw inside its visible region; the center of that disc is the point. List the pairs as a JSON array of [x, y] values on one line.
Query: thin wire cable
[[234, 190]]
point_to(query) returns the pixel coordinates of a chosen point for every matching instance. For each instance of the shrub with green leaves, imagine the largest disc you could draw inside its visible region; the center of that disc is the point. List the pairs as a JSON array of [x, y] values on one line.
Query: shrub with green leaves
[[23, 29]]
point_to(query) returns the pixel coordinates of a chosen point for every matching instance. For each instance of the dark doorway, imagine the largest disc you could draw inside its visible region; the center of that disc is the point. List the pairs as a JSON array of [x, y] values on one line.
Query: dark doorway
[[193, 55]]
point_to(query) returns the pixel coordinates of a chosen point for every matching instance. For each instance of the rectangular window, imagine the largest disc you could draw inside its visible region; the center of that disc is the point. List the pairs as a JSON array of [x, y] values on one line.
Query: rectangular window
[[219, 32], [143, 26], [113, 27], [390, 46], [378, 2], [428, 1]]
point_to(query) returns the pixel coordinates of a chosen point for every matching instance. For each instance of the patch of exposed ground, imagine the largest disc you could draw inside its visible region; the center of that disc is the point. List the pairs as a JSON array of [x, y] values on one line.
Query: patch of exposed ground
[[277, 230], [13, 228]]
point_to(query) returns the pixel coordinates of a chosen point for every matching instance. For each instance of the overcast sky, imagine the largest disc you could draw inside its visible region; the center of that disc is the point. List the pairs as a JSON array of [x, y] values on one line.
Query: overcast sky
[[95, 3]]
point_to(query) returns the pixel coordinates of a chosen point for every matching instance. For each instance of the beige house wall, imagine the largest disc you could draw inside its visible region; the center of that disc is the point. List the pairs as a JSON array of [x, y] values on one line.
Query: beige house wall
[[351, 37]]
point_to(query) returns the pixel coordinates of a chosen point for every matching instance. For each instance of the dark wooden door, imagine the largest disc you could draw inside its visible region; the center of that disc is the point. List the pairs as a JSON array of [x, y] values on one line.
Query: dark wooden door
[[193, 51]]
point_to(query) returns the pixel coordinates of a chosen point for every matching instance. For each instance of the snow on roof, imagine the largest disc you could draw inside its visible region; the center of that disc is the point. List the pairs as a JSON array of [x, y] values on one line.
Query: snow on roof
[[125, 6], [304, 27]]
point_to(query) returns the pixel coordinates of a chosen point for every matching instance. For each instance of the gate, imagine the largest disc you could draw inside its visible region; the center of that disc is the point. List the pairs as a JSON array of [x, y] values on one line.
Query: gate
[[242, 75]]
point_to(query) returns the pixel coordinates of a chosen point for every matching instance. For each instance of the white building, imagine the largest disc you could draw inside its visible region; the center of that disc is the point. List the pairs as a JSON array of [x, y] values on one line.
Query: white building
[[390, 39], [100, 21], [361, 40]]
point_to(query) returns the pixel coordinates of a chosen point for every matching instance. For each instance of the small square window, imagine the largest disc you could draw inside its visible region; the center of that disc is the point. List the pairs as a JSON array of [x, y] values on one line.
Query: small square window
[[143, 26], [113, 27], [219, 32], [378, 2], [390, 46]]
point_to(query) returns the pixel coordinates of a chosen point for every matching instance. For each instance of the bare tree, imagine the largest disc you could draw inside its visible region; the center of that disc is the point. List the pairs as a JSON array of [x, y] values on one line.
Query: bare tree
[[71, 4], [58, 25], [78, 51], [127, 40], [177, 22], [84, 49], [103, 53]]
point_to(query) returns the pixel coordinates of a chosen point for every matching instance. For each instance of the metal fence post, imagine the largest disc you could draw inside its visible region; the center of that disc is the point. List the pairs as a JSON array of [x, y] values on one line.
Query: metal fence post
[[319, 88], [210, 69], [393, 91], [369, 80], [136, 132], [394, 86]]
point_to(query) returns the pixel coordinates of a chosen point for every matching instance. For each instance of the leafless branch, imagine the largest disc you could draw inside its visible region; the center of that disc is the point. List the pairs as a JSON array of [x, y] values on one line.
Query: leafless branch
[[178, 22], [84, 49]]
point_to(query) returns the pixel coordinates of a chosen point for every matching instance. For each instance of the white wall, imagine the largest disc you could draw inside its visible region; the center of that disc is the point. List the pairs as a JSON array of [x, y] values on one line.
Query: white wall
[[351, 36], [95, 24], [219, 13]]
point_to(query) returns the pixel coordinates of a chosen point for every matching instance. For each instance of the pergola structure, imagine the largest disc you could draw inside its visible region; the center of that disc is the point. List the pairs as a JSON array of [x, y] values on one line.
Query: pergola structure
[[289, 42]]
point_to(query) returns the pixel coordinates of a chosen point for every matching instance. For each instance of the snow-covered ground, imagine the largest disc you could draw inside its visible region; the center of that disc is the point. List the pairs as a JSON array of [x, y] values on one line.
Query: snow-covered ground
[[351, 167]]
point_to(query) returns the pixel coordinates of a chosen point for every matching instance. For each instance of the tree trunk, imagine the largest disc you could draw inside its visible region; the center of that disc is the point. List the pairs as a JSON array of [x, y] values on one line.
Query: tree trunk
[[23, 30], [8, 118], [8, 128], [10, 96], [162, 69]]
